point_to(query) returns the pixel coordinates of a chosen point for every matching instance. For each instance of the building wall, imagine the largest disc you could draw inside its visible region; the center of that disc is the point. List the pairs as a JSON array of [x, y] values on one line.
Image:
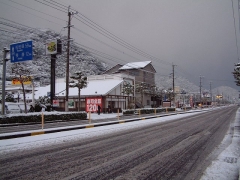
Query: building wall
[[146, 74], [113, 69]]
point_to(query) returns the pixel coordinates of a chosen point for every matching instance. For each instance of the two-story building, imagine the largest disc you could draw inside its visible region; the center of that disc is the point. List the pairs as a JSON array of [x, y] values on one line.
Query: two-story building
[[144, 72]]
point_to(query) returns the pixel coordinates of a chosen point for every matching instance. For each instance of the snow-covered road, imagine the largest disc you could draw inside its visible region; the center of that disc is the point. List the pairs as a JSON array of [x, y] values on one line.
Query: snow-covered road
[[225, 166]]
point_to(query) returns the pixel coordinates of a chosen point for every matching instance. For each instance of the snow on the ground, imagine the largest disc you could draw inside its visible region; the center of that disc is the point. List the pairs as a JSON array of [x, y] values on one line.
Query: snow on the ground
[[225, 167], [61, 137], [227, 164]]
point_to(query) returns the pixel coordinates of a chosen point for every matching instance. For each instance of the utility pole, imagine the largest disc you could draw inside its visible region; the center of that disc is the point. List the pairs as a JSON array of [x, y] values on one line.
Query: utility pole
[[200, 89], [211, 91], [173, 85], [67, 63], [5, 51]]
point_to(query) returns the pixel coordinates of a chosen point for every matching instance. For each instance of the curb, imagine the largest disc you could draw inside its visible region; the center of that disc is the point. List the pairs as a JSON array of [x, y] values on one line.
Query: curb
[[48, 131]]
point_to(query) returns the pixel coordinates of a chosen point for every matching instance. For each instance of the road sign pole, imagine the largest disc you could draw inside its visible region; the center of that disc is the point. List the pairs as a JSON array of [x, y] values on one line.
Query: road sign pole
[[53, 67], [5, 51]]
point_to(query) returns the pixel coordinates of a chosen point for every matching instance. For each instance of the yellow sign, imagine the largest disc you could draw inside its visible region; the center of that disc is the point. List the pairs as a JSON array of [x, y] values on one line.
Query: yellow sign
[[51, 47], [219, 96], [26, 81]]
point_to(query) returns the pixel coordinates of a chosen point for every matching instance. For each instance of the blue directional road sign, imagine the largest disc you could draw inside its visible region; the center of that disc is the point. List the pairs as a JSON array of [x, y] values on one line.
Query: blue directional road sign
[[22, 51]]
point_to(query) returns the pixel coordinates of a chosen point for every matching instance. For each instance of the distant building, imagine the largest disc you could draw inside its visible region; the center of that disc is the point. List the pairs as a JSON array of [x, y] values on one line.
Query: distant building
[[104, 90], [143, 72]]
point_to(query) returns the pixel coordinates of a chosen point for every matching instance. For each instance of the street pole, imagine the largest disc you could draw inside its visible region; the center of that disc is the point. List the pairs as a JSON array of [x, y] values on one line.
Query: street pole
[[5, 51], [211, 91], [53, 67], [67, 64], [33, 93], [173, 85], [200, 89]]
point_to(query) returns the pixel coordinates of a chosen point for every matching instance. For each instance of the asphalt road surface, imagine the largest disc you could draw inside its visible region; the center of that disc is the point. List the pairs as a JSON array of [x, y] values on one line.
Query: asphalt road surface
[[179, 149]]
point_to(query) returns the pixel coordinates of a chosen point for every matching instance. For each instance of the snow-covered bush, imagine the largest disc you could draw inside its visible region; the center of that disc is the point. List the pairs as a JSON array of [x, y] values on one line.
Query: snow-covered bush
[[146, 110], [37, 117]]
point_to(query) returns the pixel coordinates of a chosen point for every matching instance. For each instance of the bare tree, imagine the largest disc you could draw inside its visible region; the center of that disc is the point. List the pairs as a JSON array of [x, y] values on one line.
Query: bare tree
[[21, 74], [128, 89], [79, 81], [142, 88]]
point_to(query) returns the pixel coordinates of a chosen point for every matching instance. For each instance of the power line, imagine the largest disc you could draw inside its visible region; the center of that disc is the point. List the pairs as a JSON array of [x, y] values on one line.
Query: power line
[[86, 24], [29, 28], [56, 4], [50, 6], [114, 38], [235, 31], [105, 44], [20, 27], [32, 14], [109, 35], [37, 10], [101, 54], [60, 3], [110, 46], [33, 9]]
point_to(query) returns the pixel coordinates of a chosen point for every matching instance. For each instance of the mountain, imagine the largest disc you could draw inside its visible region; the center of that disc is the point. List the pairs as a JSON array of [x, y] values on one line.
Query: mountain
[[228, 93], [81, 60], [180, 83]]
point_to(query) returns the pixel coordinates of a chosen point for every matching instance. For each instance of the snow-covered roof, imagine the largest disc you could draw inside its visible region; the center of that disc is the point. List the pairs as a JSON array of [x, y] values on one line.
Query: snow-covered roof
[[135, 65], [97, 87], [42, 91], [94, 88]]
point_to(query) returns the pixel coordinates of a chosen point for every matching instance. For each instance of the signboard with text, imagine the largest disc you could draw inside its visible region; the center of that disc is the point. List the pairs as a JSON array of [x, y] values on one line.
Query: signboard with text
[[51, 47], [22, 51], [27, 81], [55, 103], [92, 104]]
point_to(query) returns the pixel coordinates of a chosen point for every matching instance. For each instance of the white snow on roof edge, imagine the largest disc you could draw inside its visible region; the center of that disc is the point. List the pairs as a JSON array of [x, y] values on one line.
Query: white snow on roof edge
[[136, 65]]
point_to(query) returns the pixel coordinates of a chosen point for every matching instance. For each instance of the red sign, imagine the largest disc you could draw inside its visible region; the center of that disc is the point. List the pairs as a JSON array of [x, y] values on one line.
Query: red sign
[[55, 103], [92, 104]]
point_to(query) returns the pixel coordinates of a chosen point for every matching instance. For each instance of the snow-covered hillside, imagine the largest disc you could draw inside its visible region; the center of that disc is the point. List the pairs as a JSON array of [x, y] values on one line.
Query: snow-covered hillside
[[82, 60]]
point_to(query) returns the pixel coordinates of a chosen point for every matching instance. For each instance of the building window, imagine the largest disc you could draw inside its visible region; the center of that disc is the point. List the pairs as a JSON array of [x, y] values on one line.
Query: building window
[[134, 72]]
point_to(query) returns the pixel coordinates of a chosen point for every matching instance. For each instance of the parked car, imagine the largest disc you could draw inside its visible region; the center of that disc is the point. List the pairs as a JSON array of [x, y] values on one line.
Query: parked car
[[22, 107], [11, 108], [1, 109]]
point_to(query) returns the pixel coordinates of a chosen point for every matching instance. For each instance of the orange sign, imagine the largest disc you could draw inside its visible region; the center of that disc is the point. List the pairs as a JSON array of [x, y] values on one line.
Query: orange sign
[[27, 81]]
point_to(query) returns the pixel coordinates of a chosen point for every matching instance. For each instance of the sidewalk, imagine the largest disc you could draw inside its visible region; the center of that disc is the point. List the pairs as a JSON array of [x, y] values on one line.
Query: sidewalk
[[95, 116], [94, 121]]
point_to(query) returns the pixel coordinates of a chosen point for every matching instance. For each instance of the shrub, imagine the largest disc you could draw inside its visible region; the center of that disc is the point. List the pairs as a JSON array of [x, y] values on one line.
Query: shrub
[[146, 110], [37, 117]]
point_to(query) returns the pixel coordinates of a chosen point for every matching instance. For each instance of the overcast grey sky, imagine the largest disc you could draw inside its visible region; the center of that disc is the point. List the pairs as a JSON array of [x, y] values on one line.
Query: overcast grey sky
[[197, 36]]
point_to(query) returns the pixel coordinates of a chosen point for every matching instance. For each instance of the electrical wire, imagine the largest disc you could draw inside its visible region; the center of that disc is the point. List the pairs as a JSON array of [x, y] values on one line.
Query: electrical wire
[[114, 38], [32, 14], [37, 10], [50, 6], [55, 4], [63, 20], [125, 53], [109, 35], [234, 22]]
